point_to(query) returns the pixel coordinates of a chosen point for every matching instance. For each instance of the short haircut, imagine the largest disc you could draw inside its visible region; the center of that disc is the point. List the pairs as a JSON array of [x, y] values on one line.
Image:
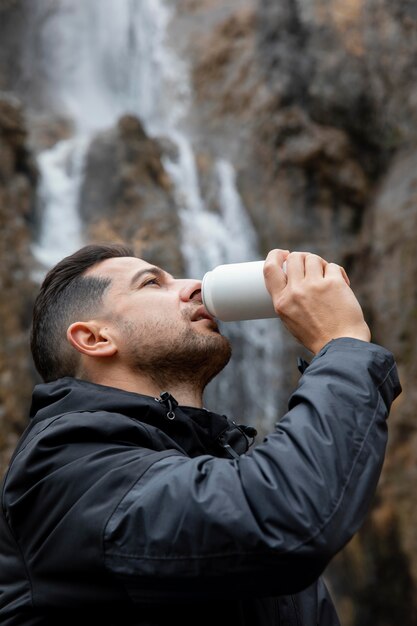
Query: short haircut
[[66, 296]]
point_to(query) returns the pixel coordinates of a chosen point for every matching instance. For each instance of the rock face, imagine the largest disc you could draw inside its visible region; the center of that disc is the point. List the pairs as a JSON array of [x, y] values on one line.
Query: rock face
[[128, 196], [385, 271], [314, 101], [322, 97], [17, 182]]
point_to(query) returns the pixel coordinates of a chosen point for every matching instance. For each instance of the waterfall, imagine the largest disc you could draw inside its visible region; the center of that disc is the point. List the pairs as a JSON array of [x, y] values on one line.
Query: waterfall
[[101, 59], [106, 59], [256, 344], [61, 172]]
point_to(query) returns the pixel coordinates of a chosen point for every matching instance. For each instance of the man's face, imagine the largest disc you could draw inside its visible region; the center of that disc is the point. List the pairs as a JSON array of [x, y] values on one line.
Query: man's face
[[159, 323]]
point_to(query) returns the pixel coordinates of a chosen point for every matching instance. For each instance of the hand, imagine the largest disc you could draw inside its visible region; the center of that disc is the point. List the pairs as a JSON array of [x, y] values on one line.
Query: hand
[[313, 299]]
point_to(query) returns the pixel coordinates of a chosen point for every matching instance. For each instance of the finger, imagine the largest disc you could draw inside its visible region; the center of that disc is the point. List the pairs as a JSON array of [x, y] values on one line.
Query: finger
[[335, 271], [314, 266], [275, 277], [296, 266], [277, 257], [345, 276]]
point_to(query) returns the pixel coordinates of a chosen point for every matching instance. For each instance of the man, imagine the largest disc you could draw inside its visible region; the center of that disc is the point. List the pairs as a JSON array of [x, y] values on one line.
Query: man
[[127, 502]]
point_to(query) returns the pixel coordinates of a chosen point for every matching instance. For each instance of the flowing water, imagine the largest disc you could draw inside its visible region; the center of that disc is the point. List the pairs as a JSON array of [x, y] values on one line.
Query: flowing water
[[105, 59]]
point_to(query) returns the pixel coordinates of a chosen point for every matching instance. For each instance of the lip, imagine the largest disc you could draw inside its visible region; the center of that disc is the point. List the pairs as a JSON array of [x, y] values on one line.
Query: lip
[[202, 313]]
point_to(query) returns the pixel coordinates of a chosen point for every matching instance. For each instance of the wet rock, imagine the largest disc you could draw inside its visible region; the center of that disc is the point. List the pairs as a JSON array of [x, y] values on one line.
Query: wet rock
[[17, 179], [128, 195], [327, 138], [48, 130]]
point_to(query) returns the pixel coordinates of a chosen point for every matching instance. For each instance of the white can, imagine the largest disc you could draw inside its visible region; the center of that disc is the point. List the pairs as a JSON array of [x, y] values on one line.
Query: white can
[[237, 291]]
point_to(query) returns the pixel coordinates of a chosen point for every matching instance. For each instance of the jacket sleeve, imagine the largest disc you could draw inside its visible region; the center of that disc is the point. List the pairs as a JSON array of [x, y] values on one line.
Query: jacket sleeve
[[272, 519]]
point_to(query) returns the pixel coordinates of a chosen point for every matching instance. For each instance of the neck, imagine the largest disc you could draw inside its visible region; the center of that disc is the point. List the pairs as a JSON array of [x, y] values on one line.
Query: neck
[[185, 394]]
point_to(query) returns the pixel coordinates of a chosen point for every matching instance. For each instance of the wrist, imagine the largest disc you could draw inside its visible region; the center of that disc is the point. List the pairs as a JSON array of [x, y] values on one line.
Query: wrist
[[363, 334]]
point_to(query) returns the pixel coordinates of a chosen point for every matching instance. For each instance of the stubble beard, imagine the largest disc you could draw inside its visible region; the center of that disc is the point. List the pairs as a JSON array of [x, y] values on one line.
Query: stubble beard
[[188, 358]]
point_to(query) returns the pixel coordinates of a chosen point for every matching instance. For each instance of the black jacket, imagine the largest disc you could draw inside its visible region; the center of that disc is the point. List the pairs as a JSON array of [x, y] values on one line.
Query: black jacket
[[114, 512]]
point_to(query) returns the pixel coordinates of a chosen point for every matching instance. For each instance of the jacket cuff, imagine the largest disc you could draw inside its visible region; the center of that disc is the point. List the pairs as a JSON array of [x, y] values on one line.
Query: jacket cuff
[[382, 365]]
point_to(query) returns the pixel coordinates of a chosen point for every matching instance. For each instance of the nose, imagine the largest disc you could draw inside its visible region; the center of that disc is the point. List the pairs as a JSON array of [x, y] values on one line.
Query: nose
[[190, 290]]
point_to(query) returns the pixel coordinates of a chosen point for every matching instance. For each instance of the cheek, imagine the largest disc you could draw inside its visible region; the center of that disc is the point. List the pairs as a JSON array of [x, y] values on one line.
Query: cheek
[[151, 328], [161, 313]]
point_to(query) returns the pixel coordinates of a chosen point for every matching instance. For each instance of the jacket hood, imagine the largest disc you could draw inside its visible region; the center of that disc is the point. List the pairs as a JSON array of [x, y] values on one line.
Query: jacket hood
[[197, 431]]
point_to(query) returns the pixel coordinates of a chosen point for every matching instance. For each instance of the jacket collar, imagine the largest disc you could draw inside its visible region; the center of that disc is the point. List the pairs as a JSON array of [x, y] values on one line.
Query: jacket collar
[[196, 431]]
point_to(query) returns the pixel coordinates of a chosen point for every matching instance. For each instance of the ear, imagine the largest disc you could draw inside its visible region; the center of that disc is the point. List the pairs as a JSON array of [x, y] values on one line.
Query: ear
[[92, 339]]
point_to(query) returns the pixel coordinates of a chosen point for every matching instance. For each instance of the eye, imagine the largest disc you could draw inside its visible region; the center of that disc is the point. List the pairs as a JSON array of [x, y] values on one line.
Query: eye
[[151, 281]]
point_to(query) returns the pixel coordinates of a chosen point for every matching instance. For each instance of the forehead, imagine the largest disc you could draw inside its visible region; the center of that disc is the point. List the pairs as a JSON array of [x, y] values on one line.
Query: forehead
[[119, 269]]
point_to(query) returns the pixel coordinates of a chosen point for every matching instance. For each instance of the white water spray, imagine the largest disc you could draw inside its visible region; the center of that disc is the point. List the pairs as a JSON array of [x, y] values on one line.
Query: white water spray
[[61, 173]]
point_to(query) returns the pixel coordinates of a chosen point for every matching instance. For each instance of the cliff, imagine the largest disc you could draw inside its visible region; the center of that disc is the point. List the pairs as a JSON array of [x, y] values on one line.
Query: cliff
[[17, 184], [322, 98]]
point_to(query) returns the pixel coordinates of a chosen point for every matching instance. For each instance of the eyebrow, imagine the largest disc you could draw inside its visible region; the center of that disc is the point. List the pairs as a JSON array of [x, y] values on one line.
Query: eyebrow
[[153, 269]]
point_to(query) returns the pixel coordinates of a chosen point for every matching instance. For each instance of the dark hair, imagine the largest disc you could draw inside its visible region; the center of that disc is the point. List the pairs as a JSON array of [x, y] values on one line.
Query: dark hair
[[66, 296]]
